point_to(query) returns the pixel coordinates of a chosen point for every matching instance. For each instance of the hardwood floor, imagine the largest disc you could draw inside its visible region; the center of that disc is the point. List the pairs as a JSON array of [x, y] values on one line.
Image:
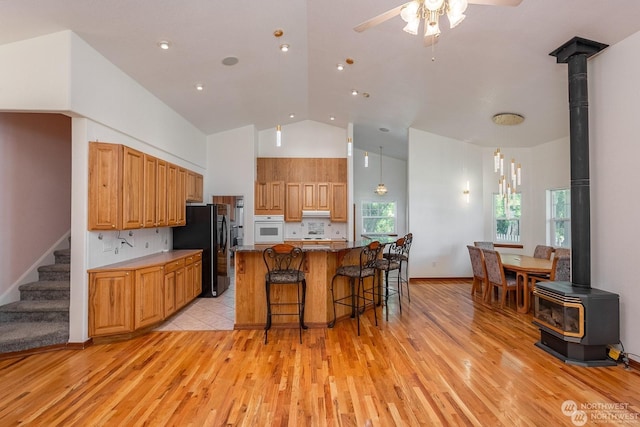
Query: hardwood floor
[[449, 359]]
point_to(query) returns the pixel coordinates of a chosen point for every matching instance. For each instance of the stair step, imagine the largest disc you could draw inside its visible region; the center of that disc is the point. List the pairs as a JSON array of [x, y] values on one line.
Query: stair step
[[63, 256], [35, 311], [25, 336], [45, 290], [55, 272]]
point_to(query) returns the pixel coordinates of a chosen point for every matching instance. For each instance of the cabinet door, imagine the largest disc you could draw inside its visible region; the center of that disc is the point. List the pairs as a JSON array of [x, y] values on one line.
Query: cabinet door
[[189, 274], [161, 194], [323, 198], [262, 198], [277, 197], [110, 303], [199, 188], [149, 296], [293, 202], [197, 277], [104, 186], [150, 191], [172, 194], [339, 202], [132, 188], [182, 197], [309, 201], [181, 291], [169, 293]]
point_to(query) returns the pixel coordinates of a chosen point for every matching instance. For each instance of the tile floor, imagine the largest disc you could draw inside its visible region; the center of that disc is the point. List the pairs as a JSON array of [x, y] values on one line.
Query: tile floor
[[205, 314]]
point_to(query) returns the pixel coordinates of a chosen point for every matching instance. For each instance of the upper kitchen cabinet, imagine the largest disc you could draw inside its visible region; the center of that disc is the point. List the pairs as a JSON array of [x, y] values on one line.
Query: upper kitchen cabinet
[[129, 189], [269, 198], [105, 178], [293, 202], [315, 196], [194, 187], [339, 202]]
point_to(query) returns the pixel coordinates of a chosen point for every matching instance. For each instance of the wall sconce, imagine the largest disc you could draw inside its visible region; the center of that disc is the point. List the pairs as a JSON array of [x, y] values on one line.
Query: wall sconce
[[467, 193], [366, 159], [349, 146]]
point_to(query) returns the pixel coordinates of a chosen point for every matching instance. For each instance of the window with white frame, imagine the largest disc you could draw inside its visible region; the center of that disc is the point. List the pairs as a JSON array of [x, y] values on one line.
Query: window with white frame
[[559, 217], [378, 217], [506, 218]]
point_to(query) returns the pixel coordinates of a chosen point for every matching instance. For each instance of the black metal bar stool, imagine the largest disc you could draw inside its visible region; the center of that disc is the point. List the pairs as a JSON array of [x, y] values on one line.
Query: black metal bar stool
[[284, 267], [391, 261], [403, 258], [365, 268]]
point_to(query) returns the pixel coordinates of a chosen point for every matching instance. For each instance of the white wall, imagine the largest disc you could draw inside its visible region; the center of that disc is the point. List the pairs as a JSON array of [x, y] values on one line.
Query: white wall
[[441, 221], [231, 170], [304, 139], [394, 177], [615, 205]]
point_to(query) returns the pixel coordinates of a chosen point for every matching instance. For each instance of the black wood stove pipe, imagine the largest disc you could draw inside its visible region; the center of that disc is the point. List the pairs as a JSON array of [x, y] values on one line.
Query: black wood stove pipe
[[575, 53]]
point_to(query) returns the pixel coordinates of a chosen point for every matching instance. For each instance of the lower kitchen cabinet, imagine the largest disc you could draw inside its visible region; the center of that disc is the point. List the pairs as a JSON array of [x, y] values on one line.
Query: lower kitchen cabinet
[[137, 294]]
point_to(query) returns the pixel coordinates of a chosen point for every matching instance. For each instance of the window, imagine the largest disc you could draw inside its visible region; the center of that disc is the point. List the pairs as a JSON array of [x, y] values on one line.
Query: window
[[378, 217], [559, 217], [506, 215]]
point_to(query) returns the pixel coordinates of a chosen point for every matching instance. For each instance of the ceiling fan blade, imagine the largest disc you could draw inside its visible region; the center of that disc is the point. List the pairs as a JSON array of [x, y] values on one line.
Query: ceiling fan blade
[[379, 19], [496, 2]]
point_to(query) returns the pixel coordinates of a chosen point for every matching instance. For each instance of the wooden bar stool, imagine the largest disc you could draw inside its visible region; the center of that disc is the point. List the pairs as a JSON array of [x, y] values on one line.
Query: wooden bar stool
[[358, 272], [284, 267]]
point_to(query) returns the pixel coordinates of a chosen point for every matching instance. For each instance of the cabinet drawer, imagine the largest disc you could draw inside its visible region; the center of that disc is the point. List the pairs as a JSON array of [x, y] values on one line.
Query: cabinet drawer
[[173, 265]]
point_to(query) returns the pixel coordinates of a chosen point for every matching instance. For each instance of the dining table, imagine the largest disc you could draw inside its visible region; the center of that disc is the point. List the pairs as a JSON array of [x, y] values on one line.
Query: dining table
[[523, 266]]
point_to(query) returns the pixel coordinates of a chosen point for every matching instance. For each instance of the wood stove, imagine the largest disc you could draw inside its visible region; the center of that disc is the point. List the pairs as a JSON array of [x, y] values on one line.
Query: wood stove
[[576, 324], [576, 321]]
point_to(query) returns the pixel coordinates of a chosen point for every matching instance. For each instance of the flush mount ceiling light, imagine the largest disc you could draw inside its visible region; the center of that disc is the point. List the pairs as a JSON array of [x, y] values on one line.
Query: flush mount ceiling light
[[507, 119], [430, 11], [164, 45]]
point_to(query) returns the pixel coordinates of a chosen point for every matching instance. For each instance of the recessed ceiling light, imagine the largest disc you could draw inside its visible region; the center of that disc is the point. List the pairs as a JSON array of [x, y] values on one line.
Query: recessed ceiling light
[[291, 115], [199, 87], [354, 92], [340, 67], [230, 60], [366, 94], [284, 47], [508, 119], [332, 118], [349, 61], [384, 130], [164, 45]]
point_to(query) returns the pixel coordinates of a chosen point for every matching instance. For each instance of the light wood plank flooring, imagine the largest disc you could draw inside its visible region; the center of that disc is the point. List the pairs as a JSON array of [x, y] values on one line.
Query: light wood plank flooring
[[448, 359]]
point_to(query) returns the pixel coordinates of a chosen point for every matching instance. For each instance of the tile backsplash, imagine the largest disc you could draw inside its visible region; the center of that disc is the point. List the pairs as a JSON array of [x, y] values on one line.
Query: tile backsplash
[[315, 227]]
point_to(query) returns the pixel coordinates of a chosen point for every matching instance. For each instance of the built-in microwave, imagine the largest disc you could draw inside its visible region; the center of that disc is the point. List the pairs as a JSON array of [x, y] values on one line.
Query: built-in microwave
[[269, 229]]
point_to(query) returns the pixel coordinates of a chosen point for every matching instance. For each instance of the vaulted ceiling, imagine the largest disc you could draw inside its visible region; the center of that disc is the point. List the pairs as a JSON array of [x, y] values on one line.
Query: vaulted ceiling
[[496, 60]]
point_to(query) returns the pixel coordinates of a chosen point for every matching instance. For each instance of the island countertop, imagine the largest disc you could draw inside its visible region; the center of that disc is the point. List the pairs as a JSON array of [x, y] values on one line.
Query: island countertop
[[319, 245]]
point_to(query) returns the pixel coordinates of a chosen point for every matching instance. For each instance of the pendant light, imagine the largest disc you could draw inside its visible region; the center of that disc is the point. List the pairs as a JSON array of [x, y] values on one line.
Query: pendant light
[[381, 189]]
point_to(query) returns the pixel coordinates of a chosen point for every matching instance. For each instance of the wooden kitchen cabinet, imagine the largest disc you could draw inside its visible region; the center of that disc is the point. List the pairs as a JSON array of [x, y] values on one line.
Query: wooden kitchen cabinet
[[105, 177], [110, 303], [134, 295], [172, 195], [149, 296], [194, 187], [293, 202], [181, 205], [161, 193], [315, 196], [132, 188], [150, 191], [339, 211], [269, 198]]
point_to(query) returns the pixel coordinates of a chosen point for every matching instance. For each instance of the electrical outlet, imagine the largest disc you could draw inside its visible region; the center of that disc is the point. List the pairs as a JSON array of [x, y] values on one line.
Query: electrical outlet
[[107, 245], [146, 245]]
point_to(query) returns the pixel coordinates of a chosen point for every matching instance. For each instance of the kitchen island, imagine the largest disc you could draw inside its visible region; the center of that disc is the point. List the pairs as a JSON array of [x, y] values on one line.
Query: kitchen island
[[321, 262]]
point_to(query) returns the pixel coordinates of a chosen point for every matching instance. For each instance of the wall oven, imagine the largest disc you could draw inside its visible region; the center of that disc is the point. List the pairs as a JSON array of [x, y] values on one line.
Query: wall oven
[[269, 229]]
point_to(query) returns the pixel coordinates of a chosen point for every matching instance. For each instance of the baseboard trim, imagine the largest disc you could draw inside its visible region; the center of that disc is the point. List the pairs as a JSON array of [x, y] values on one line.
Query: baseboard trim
[[46, 349], [634, 364]]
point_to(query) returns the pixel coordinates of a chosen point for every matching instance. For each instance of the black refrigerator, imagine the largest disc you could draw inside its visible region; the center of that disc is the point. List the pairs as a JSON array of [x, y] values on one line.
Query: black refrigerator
[[208, 229]]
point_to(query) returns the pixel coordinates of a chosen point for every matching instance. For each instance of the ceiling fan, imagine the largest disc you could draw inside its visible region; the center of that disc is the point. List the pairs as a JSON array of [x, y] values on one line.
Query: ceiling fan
[[415, 11]]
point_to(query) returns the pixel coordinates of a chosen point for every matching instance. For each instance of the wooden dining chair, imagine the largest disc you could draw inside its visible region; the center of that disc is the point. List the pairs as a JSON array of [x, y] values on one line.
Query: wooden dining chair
[[562, 252], [496, 276], [542, 251], [479, 270], [484, 245]]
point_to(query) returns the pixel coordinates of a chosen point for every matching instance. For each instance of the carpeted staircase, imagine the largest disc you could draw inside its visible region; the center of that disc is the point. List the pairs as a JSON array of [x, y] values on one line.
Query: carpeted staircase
[[41, 317]]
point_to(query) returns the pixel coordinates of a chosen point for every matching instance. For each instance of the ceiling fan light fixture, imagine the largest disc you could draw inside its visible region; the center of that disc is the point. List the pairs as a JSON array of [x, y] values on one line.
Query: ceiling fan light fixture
[[409, 12], [432, 29], [433, 5], [412, 27]]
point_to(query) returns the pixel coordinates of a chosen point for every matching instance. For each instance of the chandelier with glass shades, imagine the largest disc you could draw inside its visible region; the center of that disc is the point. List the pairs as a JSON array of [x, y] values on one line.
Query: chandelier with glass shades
[[430, 11], [381, 189], [507, 185]]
